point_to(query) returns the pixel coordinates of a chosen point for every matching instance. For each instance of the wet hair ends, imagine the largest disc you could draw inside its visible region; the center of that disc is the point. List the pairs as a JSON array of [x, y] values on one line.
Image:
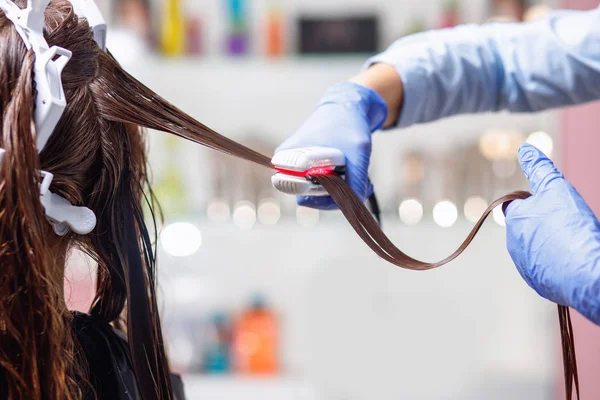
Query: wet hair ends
[[37, 351], [568, 352], [95, 162]]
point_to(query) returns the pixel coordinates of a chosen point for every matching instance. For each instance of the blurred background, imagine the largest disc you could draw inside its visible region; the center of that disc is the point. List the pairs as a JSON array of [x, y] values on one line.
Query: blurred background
[[264, 300]]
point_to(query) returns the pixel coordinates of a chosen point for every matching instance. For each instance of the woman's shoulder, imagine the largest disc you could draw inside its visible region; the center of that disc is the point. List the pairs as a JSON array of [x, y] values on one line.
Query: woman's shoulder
[[107, 356], [108, 359]]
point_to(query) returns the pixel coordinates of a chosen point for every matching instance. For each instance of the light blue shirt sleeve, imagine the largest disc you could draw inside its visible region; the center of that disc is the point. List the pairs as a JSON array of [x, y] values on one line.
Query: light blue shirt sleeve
[[520, 67]]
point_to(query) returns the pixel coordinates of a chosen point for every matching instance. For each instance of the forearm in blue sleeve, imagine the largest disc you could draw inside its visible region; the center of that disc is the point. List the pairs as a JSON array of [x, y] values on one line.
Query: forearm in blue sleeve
[[520, 67]]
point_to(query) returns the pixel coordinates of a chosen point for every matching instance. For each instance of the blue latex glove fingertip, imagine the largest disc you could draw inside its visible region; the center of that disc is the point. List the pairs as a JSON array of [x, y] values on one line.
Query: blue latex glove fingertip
[[317, 202], [537, 167]]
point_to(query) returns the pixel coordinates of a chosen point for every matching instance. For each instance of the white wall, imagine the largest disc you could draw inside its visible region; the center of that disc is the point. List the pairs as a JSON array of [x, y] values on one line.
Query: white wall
[[361, 329]]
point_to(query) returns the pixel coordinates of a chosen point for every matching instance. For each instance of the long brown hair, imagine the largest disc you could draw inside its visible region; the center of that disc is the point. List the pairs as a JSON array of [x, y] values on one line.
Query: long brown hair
[[98, 157], [96, 162]]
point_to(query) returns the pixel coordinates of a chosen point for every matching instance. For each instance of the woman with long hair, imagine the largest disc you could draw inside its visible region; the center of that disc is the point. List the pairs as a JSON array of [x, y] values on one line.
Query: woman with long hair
[[97, 154], [46, 352]]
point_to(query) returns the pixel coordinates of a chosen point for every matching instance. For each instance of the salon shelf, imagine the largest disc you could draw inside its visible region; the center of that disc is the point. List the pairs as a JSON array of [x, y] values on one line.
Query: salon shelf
[[270, 98], [238, 95], [248, 388]]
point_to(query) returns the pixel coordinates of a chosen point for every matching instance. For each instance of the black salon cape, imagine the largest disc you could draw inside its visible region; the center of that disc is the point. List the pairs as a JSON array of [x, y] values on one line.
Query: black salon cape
[[107, 353]]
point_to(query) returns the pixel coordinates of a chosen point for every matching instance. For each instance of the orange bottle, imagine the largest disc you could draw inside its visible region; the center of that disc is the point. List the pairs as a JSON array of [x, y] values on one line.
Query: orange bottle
[[274, 33], [255, 341]]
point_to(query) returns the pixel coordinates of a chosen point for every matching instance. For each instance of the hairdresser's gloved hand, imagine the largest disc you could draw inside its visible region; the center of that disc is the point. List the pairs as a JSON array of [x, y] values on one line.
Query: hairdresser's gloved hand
[[344, 119], [554, 238]]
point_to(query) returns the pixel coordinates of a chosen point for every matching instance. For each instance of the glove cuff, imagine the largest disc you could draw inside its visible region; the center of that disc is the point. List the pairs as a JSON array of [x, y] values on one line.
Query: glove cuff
[[358, 98]]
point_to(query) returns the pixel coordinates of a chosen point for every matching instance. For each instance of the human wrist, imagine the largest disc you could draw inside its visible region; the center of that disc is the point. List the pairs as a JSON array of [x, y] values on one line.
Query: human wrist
[[358, 98], [385, 81]]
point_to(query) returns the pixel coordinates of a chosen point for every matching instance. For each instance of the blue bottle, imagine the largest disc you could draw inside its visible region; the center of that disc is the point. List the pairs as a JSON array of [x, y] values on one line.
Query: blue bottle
[[217, 358]]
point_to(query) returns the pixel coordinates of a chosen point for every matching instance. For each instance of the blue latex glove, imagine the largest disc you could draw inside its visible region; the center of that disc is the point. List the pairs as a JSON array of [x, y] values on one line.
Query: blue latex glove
[[344, 119], [554, 238]]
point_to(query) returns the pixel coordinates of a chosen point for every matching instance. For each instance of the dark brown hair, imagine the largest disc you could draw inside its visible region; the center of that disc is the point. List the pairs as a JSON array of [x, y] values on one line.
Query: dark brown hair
[[96, 162], [98, 157]]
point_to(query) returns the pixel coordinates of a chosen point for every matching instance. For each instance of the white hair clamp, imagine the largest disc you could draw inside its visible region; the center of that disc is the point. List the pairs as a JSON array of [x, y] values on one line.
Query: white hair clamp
[[90, 11], [50, 104], [62, 214]]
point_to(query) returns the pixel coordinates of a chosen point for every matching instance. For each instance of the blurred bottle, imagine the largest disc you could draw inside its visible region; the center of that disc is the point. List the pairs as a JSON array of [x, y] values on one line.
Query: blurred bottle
[[256, 340], [508, 10], [216, 358], [135, 15], [173, 29], [274, 32], [414, 26], [536, 12], [170, 188], [194, 35], [237, 40], [449, 16]]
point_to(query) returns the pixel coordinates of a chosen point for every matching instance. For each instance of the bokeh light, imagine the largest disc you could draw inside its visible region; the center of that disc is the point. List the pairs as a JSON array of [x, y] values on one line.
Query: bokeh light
[[542, 141], [445, 213], [181, 239], [498, 216], [218, 211], [474, 208], [269, 211], [410, 211], [498, 144], [536, 12], [244, 215]]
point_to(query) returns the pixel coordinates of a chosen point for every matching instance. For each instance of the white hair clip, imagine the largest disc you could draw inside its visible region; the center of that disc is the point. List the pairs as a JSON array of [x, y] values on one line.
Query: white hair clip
[[90, 11], [50, 104], [62, 214]]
